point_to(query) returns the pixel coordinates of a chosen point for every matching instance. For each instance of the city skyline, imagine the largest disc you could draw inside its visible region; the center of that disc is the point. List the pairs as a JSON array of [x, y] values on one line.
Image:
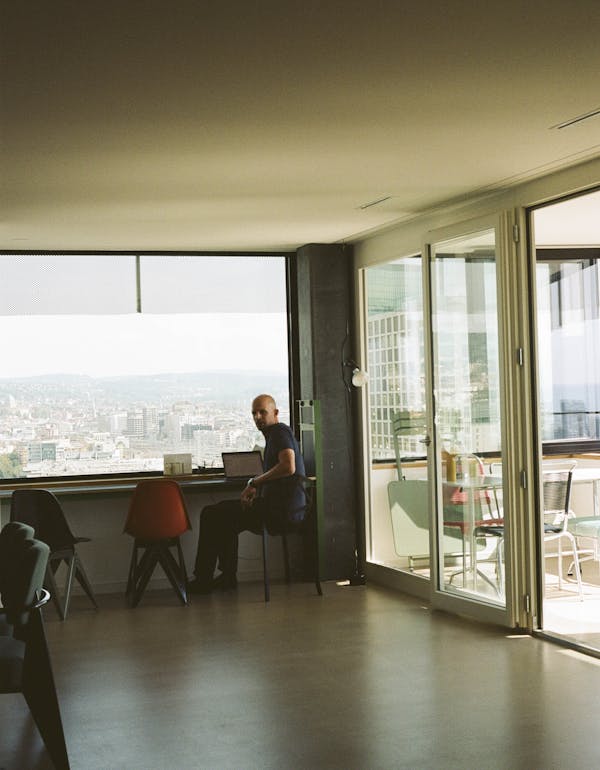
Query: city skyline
[[71, 425]]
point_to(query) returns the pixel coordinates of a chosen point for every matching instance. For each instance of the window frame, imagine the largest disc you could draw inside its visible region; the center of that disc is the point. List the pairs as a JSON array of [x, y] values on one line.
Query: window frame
[[290, 262]]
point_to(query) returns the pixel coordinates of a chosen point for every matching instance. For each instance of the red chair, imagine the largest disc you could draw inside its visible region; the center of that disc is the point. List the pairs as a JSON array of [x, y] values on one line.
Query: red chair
[[157, 517]]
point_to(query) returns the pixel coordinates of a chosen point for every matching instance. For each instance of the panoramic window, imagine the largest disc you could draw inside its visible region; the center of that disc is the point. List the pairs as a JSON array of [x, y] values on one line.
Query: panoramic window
[[568, 340], [111, 361], [567, 235]]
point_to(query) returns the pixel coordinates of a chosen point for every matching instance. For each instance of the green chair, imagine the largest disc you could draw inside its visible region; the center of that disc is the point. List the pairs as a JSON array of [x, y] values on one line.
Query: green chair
[[587, 527], [24, 659]]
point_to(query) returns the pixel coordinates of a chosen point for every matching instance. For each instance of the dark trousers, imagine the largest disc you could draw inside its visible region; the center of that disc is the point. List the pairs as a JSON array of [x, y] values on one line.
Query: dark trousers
[[220, 526]]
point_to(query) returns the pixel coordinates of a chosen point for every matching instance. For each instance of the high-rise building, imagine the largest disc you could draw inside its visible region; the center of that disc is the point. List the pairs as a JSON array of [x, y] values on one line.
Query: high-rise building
[[118, 423], [395, 353], [395, 359], [150, 416], [135, 424]]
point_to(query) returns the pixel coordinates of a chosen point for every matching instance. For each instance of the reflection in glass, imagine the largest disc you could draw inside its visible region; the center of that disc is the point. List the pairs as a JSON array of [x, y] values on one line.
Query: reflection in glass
[[395, 350], [467, 399], [399, 522], [568, 340]]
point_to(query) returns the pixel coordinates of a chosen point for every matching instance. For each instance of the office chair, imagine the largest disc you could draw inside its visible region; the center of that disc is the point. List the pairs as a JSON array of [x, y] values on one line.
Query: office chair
[[157, 517], [40, 509], [24, 659], [307, 527]]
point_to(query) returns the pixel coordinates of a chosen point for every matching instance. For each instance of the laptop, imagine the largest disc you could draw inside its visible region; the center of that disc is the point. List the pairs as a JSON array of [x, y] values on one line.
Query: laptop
[[242, 465]]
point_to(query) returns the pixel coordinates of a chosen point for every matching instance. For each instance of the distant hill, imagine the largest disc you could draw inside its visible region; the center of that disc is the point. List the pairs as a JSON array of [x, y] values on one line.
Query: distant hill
[[221, 386]]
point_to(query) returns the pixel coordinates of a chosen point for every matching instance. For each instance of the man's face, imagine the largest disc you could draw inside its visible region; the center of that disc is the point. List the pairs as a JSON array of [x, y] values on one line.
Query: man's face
[[264, 413]]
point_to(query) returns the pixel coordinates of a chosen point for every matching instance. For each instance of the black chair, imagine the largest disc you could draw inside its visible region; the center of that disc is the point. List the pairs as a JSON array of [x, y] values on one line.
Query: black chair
[[307, 528], [24, 659], [40, 509]]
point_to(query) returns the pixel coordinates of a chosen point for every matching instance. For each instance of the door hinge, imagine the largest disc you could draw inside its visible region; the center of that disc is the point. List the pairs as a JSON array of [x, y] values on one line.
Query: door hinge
[[516, 233], [520, 356], [523, 479]]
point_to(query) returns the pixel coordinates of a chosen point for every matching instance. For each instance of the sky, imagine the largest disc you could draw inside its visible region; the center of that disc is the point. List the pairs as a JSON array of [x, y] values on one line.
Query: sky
[[142, 343], [76, 314]]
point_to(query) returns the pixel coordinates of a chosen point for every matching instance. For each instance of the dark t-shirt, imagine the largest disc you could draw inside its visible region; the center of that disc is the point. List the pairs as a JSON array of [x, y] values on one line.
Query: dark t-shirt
[[285, 497]]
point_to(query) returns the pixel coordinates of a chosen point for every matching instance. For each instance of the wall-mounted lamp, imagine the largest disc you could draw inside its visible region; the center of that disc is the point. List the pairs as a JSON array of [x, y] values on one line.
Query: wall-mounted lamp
[[359, 377]]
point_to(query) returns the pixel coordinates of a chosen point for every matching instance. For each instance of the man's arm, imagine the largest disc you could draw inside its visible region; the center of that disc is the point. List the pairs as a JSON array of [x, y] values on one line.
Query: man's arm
[[286, 466]]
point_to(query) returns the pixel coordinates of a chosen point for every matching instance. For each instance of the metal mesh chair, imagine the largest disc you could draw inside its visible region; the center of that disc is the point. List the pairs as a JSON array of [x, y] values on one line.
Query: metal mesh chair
[[556, 488]]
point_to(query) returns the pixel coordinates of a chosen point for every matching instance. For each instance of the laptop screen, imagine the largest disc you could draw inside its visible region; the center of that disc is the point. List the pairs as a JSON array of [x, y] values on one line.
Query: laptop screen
[[242, 465]]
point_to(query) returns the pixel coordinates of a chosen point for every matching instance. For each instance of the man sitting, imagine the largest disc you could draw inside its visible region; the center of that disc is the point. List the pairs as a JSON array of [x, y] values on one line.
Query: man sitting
[[275, 498]]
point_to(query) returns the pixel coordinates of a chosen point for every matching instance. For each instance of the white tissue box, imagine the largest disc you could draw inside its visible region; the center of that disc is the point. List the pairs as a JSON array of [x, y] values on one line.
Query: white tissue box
[[177, 465]]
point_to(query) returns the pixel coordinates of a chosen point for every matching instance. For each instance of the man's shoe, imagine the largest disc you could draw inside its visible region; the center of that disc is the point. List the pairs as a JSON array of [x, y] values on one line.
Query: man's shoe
[[200, 587], [224, 583]]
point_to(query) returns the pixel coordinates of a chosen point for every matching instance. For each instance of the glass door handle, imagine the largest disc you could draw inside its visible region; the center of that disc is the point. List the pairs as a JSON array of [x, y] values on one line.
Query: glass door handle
[[426, 441]]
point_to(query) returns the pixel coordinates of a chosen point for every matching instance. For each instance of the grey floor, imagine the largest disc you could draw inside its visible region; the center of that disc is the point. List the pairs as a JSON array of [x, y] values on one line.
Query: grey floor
[[360, 678]]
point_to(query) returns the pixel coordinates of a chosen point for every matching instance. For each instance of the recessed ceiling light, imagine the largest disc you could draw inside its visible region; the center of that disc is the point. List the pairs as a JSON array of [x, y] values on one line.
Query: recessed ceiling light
[[579, 119]]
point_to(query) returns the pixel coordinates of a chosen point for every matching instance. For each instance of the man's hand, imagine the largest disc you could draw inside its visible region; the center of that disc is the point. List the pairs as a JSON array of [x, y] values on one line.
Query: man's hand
[[248, 496]]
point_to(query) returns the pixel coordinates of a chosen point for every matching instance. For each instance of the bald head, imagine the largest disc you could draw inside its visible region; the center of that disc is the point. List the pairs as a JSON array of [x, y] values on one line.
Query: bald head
[[264, 411]]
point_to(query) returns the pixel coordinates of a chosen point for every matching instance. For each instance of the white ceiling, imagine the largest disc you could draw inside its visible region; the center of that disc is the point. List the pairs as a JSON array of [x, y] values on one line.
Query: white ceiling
[[231, 125]]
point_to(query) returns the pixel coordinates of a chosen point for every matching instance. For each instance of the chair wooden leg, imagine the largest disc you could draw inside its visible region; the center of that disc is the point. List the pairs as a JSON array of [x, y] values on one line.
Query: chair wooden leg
[[83, 580], [144, 571], [40, 692], [74, 571], [182, 569], [61, 604], [50, 584], [172, 571], [131, 574], [68, 586], [141, 572], [267, 587]]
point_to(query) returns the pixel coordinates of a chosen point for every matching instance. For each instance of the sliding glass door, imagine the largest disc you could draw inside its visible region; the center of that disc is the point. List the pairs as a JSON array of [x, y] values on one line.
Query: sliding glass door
[[433, 343], [566, 238], [467, 406]]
